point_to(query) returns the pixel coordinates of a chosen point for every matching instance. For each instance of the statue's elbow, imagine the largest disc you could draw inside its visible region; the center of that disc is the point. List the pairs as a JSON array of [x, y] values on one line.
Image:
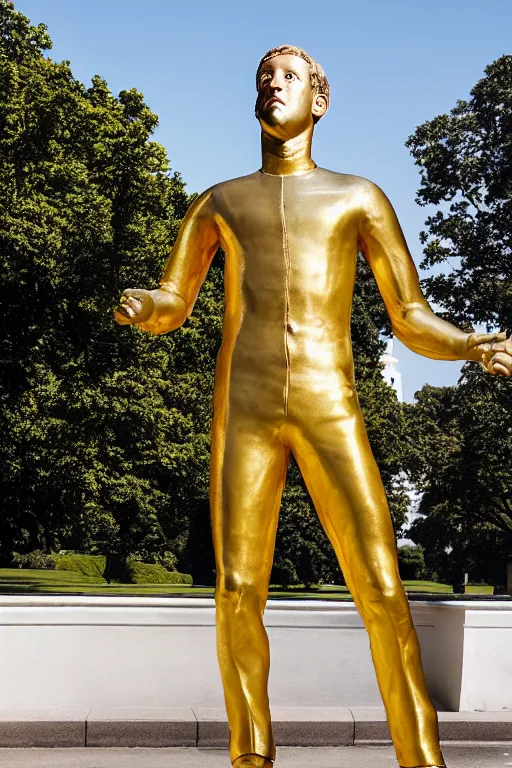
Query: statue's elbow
[[401, 327], [169, 315], [174, 322], [406, 323]]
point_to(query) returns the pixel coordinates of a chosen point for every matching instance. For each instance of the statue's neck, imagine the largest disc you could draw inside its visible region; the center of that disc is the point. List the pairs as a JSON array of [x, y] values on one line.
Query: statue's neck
[[285, 158]]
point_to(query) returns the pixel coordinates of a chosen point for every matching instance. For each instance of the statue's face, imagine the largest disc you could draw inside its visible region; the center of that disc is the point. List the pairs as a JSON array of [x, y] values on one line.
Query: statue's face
[[286, 101]]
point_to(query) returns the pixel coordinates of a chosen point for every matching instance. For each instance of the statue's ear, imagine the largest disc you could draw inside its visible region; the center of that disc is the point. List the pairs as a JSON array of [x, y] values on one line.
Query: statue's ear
[[320, 105]]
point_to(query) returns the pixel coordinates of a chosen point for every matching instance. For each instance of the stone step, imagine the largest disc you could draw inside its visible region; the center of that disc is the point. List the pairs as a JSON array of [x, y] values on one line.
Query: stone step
[[203, 727]]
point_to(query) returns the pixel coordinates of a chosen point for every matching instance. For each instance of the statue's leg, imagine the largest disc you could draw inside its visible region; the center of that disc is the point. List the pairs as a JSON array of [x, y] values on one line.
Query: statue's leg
[[247, 478], [340, 471]]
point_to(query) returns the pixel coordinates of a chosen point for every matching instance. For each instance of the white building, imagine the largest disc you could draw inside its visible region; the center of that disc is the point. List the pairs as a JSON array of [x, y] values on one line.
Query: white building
[[390, 373]]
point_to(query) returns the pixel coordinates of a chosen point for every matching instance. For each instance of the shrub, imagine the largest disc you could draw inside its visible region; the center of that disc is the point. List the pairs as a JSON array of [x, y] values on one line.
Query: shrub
[[36, 559], [169, 560], [411, 562], [149, 573], [87, 565]]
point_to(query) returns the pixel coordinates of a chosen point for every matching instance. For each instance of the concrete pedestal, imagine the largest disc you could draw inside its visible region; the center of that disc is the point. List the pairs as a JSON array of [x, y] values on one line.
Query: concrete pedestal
[[79, 653]]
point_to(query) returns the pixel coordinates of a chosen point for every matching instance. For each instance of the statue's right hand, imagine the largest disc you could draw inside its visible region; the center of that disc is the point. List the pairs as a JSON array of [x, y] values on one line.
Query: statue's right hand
[[135, 307]]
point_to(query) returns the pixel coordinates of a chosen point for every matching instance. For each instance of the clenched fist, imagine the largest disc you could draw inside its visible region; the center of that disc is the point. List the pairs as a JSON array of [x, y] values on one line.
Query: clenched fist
[[135, 307], [498, 359]]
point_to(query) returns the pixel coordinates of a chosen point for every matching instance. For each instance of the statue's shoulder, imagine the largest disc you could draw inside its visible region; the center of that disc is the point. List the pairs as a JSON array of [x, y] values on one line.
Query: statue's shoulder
[[359, 193], [227, 193], [238, 183], [346, 181]]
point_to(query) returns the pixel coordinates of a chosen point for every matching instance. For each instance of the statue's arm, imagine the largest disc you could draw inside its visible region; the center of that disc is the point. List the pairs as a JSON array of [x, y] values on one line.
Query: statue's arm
[[168, 306], [383, 245]]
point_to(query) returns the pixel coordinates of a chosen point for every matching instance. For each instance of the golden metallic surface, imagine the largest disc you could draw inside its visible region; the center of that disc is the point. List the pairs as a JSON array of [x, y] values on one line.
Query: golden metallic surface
[[251, 761], [291, 233]]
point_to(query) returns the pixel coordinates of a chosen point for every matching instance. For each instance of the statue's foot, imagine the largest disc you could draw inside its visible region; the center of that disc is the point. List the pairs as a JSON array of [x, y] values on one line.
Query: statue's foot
[[252, 761]]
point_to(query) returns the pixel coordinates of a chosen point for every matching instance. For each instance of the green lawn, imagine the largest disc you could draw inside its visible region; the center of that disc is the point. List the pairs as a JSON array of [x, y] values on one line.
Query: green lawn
[[26, 581], [20, 581], [427, 586], [483, 589]]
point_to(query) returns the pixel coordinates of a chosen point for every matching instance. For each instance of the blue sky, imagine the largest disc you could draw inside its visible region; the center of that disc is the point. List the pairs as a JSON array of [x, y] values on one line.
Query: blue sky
[[391, 64]]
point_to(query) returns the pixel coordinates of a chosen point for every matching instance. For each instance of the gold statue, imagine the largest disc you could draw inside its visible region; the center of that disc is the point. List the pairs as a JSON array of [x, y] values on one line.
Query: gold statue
[[291, 233]]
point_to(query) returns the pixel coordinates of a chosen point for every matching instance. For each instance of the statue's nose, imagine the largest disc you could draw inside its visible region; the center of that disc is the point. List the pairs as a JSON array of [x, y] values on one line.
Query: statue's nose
[[276, 82]]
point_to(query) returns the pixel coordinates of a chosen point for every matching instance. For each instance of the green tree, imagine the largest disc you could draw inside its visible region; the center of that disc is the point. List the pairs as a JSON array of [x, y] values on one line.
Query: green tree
[[465, 161], [411, 562], [463, 446], [460, 461], [105, 445]]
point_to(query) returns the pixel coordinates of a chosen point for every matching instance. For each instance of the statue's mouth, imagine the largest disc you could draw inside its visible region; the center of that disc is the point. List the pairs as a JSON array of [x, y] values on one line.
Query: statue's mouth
[[274, 100]]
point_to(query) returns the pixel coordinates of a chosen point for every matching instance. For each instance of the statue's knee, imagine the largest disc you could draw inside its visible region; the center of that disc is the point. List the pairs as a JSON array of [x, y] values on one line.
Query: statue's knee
[[236, 593], [385, 595]]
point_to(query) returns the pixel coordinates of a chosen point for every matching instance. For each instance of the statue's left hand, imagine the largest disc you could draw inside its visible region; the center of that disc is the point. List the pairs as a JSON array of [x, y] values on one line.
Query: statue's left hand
[[498, 358], [135, 307]]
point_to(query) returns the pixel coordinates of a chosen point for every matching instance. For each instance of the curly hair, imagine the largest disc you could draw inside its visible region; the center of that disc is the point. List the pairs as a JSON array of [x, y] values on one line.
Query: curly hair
[[319, 81]]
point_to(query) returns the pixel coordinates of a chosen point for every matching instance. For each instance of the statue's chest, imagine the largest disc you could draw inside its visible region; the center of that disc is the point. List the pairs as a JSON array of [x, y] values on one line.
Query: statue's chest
[[267, 225], [288, 232]]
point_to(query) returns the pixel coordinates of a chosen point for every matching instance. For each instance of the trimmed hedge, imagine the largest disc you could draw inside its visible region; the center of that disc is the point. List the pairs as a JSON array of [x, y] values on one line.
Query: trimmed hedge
[[37, 560], [87, 565], [149, 573]]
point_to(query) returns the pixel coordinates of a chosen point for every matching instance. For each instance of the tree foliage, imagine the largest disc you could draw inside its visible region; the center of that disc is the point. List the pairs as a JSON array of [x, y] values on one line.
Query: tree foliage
[[460, 459], [463, 444], [411, 562], [98, 420], [465, 161]]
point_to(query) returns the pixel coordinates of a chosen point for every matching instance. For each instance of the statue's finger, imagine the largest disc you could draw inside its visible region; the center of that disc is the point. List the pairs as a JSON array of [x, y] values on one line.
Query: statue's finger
[[503, 359], [137, 304], [500, 369], [478, 339], [487, 357], [121, 309], [134, 303], [136, 293], [120, 317], [126, 310]]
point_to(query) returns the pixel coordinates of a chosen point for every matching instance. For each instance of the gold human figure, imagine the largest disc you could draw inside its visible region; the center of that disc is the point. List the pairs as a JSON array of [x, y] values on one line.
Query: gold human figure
[[291, 233]]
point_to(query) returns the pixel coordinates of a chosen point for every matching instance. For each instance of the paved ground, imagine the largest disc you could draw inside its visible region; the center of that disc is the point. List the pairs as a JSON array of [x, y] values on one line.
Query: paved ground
[[496, 756]]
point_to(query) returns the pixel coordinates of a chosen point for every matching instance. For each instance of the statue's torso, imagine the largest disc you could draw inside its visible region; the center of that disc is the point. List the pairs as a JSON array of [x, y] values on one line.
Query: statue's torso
[[291, 247]]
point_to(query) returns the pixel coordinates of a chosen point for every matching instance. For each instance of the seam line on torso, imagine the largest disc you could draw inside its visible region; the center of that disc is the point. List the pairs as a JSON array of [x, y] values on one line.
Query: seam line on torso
[[286, 254]]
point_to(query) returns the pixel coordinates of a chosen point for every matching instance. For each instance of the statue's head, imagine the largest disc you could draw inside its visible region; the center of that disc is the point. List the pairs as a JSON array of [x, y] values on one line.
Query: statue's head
[[293, 92]]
